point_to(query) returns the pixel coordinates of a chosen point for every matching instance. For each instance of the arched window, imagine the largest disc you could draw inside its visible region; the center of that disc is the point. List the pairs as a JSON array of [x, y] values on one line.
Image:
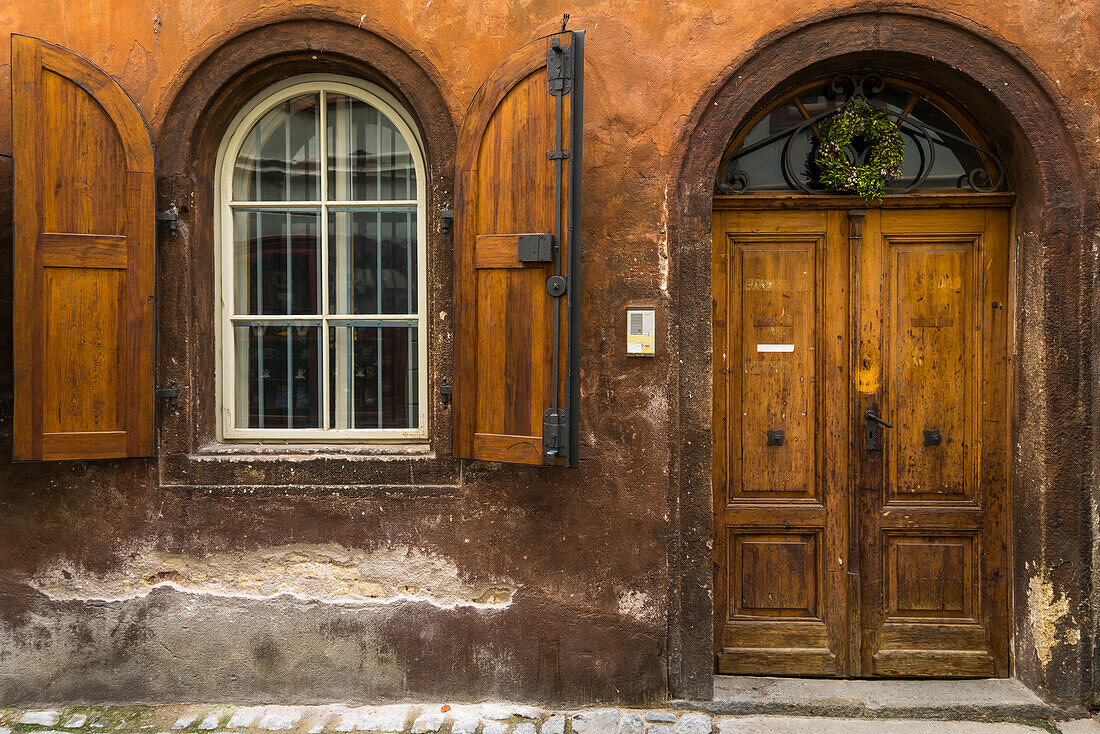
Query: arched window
[[322, 309], [775, 150]]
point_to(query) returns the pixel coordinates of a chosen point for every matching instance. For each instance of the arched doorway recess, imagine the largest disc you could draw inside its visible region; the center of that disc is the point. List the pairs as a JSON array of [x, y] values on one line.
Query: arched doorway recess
[[861, 371], [1033, 132]]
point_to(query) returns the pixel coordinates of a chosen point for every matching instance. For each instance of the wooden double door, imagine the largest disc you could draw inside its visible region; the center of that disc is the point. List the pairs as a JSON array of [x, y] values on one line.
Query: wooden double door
[[861, 436]]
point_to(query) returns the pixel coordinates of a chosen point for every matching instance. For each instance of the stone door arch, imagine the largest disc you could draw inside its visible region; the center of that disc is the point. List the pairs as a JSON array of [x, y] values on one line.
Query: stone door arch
[[1053, 435]]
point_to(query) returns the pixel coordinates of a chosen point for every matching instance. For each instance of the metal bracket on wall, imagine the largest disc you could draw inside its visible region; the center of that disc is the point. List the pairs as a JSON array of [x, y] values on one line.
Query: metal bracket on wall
[[559, 67], [171, 216], [555, 433], [169, 394]]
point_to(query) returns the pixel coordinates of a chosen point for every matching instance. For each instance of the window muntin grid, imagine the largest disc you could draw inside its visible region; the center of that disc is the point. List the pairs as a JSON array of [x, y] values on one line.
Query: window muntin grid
[[321, 267]]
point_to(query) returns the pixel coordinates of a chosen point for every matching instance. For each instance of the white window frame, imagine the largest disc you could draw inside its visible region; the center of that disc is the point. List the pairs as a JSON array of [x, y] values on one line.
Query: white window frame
[[225, 368]]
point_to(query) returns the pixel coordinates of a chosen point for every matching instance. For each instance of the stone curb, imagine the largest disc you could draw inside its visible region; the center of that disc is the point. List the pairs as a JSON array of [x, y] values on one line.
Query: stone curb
[[681, 717]]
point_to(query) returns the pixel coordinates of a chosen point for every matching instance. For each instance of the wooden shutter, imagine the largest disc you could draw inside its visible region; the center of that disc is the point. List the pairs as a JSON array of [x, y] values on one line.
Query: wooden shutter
[[517, 247], [84, 260]]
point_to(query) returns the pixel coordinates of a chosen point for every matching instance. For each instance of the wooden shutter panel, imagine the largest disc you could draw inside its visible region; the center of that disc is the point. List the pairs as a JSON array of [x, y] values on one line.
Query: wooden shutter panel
[[517, 243], [84, 260]]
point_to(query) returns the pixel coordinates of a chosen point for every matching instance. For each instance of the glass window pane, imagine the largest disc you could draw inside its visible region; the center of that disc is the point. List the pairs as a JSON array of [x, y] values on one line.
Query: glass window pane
[[374, 378], [278, 375], [278, 160], [368, 158], [954, 159], [276, 262], [372, 261]]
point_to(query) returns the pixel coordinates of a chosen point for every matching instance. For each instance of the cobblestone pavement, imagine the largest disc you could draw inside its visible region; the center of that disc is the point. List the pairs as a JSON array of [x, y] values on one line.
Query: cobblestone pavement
[[486, 718]]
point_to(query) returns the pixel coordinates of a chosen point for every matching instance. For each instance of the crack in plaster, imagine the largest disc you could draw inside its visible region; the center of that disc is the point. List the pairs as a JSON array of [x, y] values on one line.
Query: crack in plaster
[[330, 574]]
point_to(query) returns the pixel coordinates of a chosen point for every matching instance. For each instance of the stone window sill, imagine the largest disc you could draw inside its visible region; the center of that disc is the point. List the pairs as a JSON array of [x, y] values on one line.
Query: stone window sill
[[253, 452]]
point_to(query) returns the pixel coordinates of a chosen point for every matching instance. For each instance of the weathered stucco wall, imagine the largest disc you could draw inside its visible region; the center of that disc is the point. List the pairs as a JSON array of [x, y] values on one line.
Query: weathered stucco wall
[[350, 576]]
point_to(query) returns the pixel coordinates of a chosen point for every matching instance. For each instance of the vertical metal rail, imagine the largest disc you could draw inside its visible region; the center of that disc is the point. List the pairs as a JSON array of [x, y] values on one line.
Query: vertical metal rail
[[559, 426], [552, 448], [576, 136]]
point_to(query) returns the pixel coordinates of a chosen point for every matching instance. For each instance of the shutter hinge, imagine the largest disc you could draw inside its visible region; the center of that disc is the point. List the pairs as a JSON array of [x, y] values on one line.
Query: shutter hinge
[[446, 220], [555, 435], [559, 67], [171, 394], [446, 391], [171, 215], [555, 155]]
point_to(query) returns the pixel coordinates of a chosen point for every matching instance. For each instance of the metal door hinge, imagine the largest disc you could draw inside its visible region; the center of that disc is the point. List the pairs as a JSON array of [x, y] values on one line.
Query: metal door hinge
[[171, 216], [446, 220], [555, 435], [559, 67], [446, 391], [170, 394]]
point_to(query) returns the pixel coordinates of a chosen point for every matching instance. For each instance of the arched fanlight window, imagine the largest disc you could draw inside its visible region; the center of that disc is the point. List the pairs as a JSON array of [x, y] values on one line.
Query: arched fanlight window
[[775, 150], [322, 312]]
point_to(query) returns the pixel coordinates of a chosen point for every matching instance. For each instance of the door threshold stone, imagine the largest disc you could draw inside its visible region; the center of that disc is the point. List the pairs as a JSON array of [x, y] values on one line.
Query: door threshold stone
[[972, 699]]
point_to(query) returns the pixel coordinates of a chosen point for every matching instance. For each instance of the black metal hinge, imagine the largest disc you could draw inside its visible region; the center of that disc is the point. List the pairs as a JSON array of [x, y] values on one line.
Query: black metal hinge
[[446, 392], [170, 394], [555, 435], [559, 66], [172, 217]]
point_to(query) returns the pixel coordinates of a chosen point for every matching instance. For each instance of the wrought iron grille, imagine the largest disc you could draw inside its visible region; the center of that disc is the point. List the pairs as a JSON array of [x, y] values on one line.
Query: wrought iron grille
[[942, 150]]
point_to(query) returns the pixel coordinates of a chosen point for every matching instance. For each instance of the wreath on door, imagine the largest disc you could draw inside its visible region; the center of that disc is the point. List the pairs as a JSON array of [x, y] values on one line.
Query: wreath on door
[[882, 159]]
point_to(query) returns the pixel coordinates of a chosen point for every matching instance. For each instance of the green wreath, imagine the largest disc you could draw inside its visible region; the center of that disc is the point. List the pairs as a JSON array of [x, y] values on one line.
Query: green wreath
[[860, 120]]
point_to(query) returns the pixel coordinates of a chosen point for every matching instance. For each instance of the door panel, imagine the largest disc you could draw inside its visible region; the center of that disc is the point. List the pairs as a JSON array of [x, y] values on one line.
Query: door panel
[[932, 344], [783, 583], [933, 498], [834, 557]]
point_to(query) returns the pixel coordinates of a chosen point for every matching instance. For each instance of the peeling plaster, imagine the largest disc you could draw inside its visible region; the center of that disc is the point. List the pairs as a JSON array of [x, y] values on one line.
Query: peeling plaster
[[1047, 614], [640, 606], [662, 245], [329, 574]]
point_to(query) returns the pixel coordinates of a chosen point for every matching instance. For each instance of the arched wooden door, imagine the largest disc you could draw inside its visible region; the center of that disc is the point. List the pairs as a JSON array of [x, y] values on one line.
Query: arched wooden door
[[861, 415]]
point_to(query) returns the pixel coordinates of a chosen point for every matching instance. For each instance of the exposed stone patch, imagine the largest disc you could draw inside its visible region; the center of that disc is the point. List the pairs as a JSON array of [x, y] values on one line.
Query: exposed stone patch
[[324, 573], [1046, 614], [640, 606]]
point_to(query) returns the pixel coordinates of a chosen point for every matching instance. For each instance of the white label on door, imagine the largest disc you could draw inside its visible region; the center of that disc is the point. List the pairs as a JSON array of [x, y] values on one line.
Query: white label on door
[[775, 347]]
